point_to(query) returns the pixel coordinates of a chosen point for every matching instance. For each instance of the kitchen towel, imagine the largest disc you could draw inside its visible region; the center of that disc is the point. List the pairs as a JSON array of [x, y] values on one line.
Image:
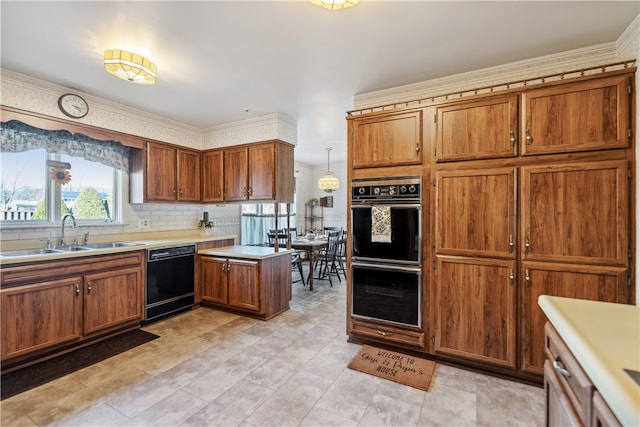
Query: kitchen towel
[[381, 224]]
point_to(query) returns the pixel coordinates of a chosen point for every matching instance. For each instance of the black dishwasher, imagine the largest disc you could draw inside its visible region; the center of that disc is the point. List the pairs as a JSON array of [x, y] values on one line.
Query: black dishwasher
[[170, 280]]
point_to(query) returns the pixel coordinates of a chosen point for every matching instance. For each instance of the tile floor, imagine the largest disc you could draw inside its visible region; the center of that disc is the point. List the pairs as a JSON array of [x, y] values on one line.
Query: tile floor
[[212, 368]]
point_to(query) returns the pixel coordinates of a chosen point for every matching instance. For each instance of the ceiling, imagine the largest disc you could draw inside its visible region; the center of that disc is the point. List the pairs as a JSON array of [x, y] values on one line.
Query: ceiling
[[224, 61]]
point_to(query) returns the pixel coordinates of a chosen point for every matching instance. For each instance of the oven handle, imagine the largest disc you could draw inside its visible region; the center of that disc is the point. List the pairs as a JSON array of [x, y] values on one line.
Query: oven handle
[[416, 270], [368, 205]]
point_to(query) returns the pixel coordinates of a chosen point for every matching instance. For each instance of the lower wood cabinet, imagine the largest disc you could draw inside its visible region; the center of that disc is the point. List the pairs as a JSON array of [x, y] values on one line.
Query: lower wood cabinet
[[261, 288], [571, 399], [52, 305], [396, 336]]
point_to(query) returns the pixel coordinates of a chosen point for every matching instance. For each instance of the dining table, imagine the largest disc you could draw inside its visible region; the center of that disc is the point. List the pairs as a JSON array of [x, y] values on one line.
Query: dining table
[[312, 248]]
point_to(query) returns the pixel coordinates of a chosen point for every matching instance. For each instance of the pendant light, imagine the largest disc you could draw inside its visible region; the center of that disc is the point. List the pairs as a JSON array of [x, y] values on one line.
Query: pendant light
[[329, 182]]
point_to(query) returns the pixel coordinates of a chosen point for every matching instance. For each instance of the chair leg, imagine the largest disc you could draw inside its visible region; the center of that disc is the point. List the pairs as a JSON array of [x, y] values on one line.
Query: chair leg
[[301, 273]]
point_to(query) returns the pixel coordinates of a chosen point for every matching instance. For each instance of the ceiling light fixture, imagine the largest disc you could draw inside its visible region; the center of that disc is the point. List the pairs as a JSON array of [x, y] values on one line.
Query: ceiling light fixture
[[334, 4], [329, 182], [130, 66]]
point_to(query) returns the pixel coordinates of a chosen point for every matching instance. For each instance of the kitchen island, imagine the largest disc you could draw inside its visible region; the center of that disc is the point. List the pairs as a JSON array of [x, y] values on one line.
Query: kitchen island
[[250, 280], [590, 348]]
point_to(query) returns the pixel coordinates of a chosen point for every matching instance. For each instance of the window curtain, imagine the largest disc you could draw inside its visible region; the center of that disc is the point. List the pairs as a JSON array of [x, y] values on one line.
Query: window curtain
[[254, 228], [16, 137]]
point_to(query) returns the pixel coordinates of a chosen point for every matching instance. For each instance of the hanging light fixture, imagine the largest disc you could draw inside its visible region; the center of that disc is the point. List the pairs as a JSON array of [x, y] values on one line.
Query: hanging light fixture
[[130, 66], [334, 4], [329, 182]]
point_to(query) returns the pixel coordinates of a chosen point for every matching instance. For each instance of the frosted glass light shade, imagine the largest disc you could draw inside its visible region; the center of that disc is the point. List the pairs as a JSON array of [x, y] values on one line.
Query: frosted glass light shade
[[329, 182], [334, 4], [130, 66]]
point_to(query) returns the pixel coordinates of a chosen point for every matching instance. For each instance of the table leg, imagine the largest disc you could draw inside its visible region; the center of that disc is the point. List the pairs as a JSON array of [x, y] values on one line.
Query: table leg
[[310, 280]]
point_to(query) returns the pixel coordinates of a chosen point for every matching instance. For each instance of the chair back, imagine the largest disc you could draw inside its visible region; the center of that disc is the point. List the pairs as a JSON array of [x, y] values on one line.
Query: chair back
[[333, 241], [280, 237]]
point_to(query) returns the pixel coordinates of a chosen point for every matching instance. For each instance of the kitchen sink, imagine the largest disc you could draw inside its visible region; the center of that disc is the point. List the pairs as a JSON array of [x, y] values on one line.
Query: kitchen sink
[[29, 252], [106, 245], [72, 248]]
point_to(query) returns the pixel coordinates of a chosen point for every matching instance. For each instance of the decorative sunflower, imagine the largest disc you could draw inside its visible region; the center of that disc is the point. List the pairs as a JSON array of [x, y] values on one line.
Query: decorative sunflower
[[60, 176]]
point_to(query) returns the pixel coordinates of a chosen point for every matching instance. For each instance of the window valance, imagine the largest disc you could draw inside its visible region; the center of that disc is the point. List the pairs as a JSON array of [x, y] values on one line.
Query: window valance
[[17, 137]]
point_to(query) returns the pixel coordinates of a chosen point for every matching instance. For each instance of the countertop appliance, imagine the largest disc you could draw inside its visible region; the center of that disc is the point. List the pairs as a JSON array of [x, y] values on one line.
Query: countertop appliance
[[386, 268], [170, 280]]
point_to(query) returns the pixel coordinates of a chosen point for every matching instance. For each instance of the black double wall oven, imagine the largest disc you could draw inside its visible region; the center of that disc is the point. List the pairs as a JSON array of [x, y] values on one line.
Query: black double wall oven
[[386, 267]]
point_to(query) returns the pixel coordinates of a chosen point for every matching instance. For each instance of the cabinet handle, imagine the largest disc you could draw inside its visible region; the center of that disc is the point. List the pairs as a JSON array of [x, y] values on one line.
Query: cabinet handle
[[180, 192], [244, 191], [223, 267], [512, 139], [173, 191], [384, 334], [527, 278], [559, 367], [228, 268], [527, 140], [527, 245], [511, 243], [89, 287], [417, 147], [250, 191], [511, 276], [77, 290]]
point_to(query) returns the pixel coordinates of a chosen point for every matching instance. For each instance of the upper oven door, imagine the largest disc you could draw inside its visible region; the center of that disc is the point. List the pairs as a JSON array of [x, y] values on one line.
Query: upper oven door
[[405, 245]]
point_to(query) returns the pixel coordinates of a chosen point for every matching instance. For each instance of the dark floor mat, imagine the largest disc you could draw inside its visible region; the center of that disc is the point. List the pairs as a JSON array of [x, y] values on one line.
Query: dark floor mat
[[32, 376]]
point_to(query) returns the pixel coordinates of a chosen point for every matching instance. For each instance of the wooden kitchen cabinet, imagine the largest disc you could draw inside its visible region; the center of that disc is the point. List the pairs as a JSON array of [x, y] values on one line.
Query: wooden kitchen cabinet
[[475, 212], [257, 287], [53, 305], [213, 176], [111, 298], [601, 414], [597, 283], [576, 212], [260, 171], [578, 116], [41, 315], [475, 307], [232, 282], [393, 139], [168, 174], [480, 129]]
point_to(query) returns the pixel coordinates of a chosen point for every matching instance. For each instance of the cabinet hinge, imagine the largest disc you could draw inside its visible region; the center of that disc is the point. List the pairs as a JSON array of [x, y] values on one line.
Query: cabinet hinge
[[628, 281], [433, 339], [433, 243], [629, 133], [629, 253], [629, 89], [435, 118], [433, 265], [434, 182]]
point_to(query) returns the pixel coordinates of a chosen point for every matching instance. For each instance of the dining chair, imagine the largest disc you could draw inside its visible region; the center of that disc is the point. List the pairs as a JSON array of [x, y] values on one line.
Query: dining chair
[[328, 259], [296, 259]]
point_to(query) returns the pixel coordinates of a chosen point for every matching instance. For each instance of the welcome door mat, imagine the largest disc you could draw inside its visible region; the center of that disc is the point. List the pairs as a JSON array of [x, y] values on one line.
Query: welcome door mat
[[398, 367], [24, 379]]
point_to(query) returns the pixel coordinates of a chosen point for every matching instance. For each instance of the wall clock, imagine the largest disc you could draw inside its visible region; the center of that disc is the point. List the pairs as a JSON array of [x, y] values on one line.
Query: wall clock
[[73, 105]]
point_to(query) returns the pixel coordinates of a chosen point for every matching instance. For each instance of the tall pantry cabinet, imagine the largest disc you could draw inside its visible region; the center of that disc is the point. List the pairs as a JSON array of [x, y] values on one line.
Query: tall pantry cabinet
[[531, 195]]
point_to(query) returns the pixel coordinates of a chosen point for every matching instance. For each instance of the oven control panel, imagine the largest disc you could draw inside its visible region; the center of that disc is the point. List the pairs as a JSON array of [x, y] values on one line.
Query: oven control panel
[[396, 190]]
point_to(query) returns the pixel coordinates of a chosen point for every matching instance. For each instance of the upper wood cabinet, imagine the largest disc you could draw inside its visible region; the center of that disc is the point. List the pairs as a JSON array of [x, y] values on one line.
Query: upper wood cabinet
[[213, 176], [576, 212], [475, 212], [167, 174], [386, 140], [581, 116], [261, 171], [479, 129]]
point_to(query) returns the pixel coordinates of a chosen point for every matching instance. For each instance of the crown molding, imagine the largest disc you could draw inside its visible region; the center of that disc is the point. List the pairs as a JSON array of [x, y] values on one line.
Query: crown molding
[[267, 127], [525, 69], [628, 44]]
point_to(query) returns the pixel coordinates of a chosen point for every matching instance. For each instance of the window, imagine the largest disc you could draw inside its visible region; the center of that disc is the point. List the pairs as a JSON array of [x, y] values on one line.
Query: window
[[48, 174], [37, 186]]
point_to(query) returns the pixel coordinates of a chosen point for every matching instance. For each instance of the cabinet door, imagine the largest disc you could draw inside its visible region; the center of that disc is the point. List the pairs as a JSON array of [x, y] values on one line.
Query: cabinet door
[[262, 160], [212, 176], [214, 279], [475, 309], [601, 414], [576, 212], [235, 174], [559, 410], [112, 298], [244, 284], [41, 315], [582, 116], [188, 175], [475, 213], [387, 140], [161, 172], [477, 130], [606, 284]]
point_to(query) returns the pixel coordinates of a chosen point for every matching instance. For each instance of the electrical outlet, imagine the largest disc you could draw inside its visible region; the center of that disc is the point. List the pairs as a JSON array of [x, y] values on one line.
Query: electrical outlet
[[143, 223]]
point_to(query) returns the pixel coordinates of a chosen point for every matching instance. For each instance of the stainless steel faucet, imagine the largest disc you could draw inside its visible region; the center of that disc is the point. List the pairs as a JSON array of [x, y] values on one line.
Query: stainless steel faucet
[[64, 218]]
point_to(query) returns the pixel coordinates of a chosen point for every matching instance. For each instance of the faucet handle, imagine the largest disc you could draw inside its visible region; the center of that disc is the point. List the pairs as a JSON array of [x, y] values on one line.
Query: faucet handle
[[86, 238], [47, 244]]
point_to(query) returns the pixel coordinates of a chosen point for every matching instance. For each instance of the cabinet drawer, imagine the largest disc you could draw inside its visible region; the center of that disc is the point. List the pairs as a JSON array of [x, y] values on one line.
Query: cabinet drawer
[[389, 334], [572, 379]]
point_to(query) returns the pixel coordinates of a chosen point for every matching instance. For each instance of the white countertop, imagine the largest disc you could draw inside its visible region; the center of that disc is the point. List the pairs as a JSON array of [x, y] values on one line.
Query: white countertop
[[605, 339], [246, 252]]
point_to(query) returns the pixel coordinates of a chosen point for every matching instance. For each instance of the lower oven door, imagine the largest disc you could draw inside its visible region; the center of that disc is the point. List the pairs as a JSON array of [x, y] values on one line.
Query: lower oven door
[[387, 293]]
